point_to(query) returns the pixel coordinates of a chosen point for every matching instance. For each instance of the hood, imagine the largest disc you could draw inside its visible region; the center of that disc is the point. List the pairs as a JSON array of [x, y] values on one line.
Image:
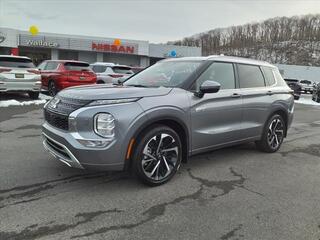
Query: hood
[[106, 91]]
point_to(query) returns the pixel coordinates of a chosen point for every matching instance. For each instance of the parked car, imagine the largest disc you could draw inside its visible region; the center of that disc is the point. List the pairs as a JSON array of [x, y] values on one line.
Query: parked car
[[60, 74], [18, 74], [110, 72], [137, 69], [168, 112], [316, 92], [306, 86], [295, 86]]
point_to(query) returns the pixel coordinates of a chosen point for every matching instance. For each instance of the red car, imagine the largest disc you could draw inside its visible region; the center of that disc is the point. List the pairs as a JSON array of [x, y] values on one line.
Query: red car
[[59, 74]]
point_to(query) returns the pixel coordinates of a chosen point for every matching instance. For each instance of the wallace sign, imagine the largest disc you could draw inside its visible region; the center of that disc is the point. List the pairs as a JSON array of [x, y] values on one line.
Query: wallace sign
[[106, 47]]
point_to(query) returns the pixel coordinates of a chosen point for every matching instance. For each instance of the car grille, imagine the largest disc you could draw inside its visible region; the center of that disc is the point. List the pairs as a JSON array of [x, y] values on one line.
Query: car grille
[[57, 120], [68, 105]]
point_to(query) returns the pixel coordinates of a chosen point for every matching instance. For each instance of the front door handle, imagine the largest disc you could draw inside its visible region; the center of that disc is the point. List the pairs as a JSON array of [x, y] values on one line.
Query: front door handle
[[236, 95]]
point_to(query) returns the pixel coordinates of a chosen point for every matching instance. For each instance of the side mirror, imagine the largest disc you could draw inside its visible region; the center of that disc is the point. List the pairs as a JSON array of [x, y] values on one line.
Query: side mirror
[[208, 87]]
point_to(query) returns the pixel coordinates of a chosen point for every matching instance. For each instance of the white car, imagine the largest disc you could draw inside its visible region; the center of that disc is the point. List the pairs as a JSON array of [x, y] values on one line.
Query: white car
[[110, 72], [18, 74]]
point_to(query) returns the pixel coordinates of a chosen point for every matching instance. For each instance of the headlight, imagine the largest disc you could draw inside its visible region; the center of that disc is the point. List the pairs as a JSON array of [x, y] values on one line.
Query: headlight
[[112, 101], [104, 125]]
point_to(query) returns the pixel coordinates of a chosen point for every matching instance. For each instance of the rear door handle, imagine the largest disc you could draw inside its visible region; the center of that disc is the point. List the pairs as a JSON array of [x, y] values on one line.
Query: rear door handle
[[236, 95], [269, 93]]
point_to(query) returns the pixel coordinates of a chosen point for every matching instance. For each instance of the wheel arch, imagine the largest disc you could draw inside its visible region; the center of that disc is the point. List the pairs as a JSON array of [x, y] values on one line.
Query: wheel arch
[[170, 121]]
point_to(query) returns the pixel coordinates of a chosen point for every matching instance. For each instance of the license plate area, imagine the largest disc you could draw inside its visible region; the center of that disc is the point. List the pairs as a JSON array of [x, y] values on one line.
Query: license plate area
[[19, 75]]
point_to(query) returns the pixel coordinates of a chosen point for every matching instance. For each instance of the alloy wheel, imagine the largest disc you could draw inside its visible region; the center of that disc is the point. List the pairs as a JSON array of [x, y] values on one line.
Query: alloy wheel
[[275, 133], [160, 156], [52, 89]]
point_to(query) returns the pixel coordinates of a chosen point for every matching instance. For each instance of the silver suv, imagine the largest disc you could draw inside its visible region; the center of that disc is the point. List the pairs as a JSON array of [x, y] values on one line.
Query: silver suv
[[168, 112]]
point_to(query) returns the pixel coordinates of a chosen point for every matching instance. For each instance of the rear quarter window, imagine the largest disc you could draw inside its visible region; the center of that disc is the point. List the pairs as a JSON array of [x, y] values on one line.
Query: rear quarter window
[[16, 62], [269, 77], [278, 77], [250, 76]]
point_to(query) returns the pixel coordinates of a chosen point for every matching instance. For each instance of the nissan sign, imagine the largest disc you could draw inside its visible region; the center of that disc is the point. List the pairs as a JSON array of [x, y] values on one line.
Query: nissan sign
[[106, 47]]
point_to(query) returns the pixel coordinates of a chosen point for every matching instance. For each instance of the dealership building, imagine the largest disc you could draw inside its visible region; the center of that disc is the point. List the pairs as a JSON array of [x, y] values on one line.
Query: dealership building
[[45, 46]]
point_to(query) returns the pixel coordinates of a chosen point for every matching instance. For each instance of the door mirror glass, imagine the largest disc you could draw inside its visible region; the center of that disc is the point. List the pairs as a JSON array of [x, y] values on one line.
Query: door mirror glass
[[208, 87]]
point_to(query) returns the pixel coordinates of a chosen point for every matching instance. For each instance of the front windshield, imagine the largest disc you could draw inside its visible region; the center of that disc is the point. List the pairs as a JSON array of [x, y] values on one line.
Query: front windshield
[[164, 74]]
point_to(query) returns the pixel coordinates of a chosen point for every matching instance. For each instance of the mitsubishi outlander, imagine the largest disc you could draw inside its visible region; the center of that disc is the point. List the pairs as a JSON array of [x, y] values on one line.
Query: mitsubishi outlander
[[168, 112]]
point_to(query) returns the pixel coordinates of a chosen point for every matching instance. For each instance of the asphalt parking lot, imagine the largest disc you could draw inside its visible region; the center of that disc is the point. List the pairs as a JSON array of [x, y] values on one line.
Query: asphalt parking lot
[[234, 193]]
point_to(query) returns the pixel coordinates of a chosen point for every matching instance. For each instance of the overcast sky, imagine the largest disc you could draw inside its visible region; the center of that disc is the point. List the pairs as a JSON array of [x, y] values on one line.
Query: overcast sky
[[153, 20]]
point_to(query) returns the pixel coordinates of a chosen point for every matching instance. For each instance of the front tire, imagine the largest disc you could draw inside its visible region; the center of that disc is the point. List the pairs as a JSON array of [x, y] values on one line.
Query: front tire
[[157, 156], [273, 134], [52, 88]]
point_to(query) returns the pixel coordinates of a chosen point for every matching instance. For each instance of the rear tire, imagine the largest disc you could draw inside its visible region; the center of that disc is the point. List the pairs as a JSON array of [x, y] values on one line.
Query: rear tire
[[52, 88], [157, 155], [33, 95], [273, 134]]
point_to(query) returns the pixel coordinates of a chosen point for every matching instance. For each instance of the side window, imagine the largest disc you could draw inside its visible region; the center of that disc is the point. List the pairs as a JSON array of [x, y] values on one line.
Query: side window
[[250, 76], [219, 72], [51, 66], [268, 74], [109, 70], [42, 65]]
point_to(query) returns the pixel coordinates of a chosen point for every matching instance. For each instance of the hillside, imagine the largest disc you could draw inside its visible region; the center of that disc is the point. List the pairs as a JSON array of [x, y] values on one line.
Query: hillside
[[286, 40]]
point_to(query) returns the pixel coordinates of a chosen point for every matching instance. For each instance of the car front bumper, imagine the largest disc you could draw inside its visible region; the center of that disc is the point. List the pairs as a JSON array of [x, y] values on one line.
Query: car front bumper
[[66, 148]]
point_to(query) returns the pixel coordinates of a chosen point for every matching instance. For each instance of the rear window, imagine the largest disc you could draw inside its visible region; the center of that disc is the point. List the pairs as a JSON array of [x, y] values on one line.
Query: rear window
[[291, 80], [74, 66], [122, 70], [16, 62], [99, 68], [305, 82]]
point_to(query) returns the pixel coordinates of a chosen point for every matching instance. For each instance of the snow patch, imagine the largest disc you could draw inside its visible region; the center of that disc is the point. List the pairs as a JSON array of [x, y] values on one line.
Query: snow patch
[[46, 97], [307, 101], [12, 102], [8, 103]]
